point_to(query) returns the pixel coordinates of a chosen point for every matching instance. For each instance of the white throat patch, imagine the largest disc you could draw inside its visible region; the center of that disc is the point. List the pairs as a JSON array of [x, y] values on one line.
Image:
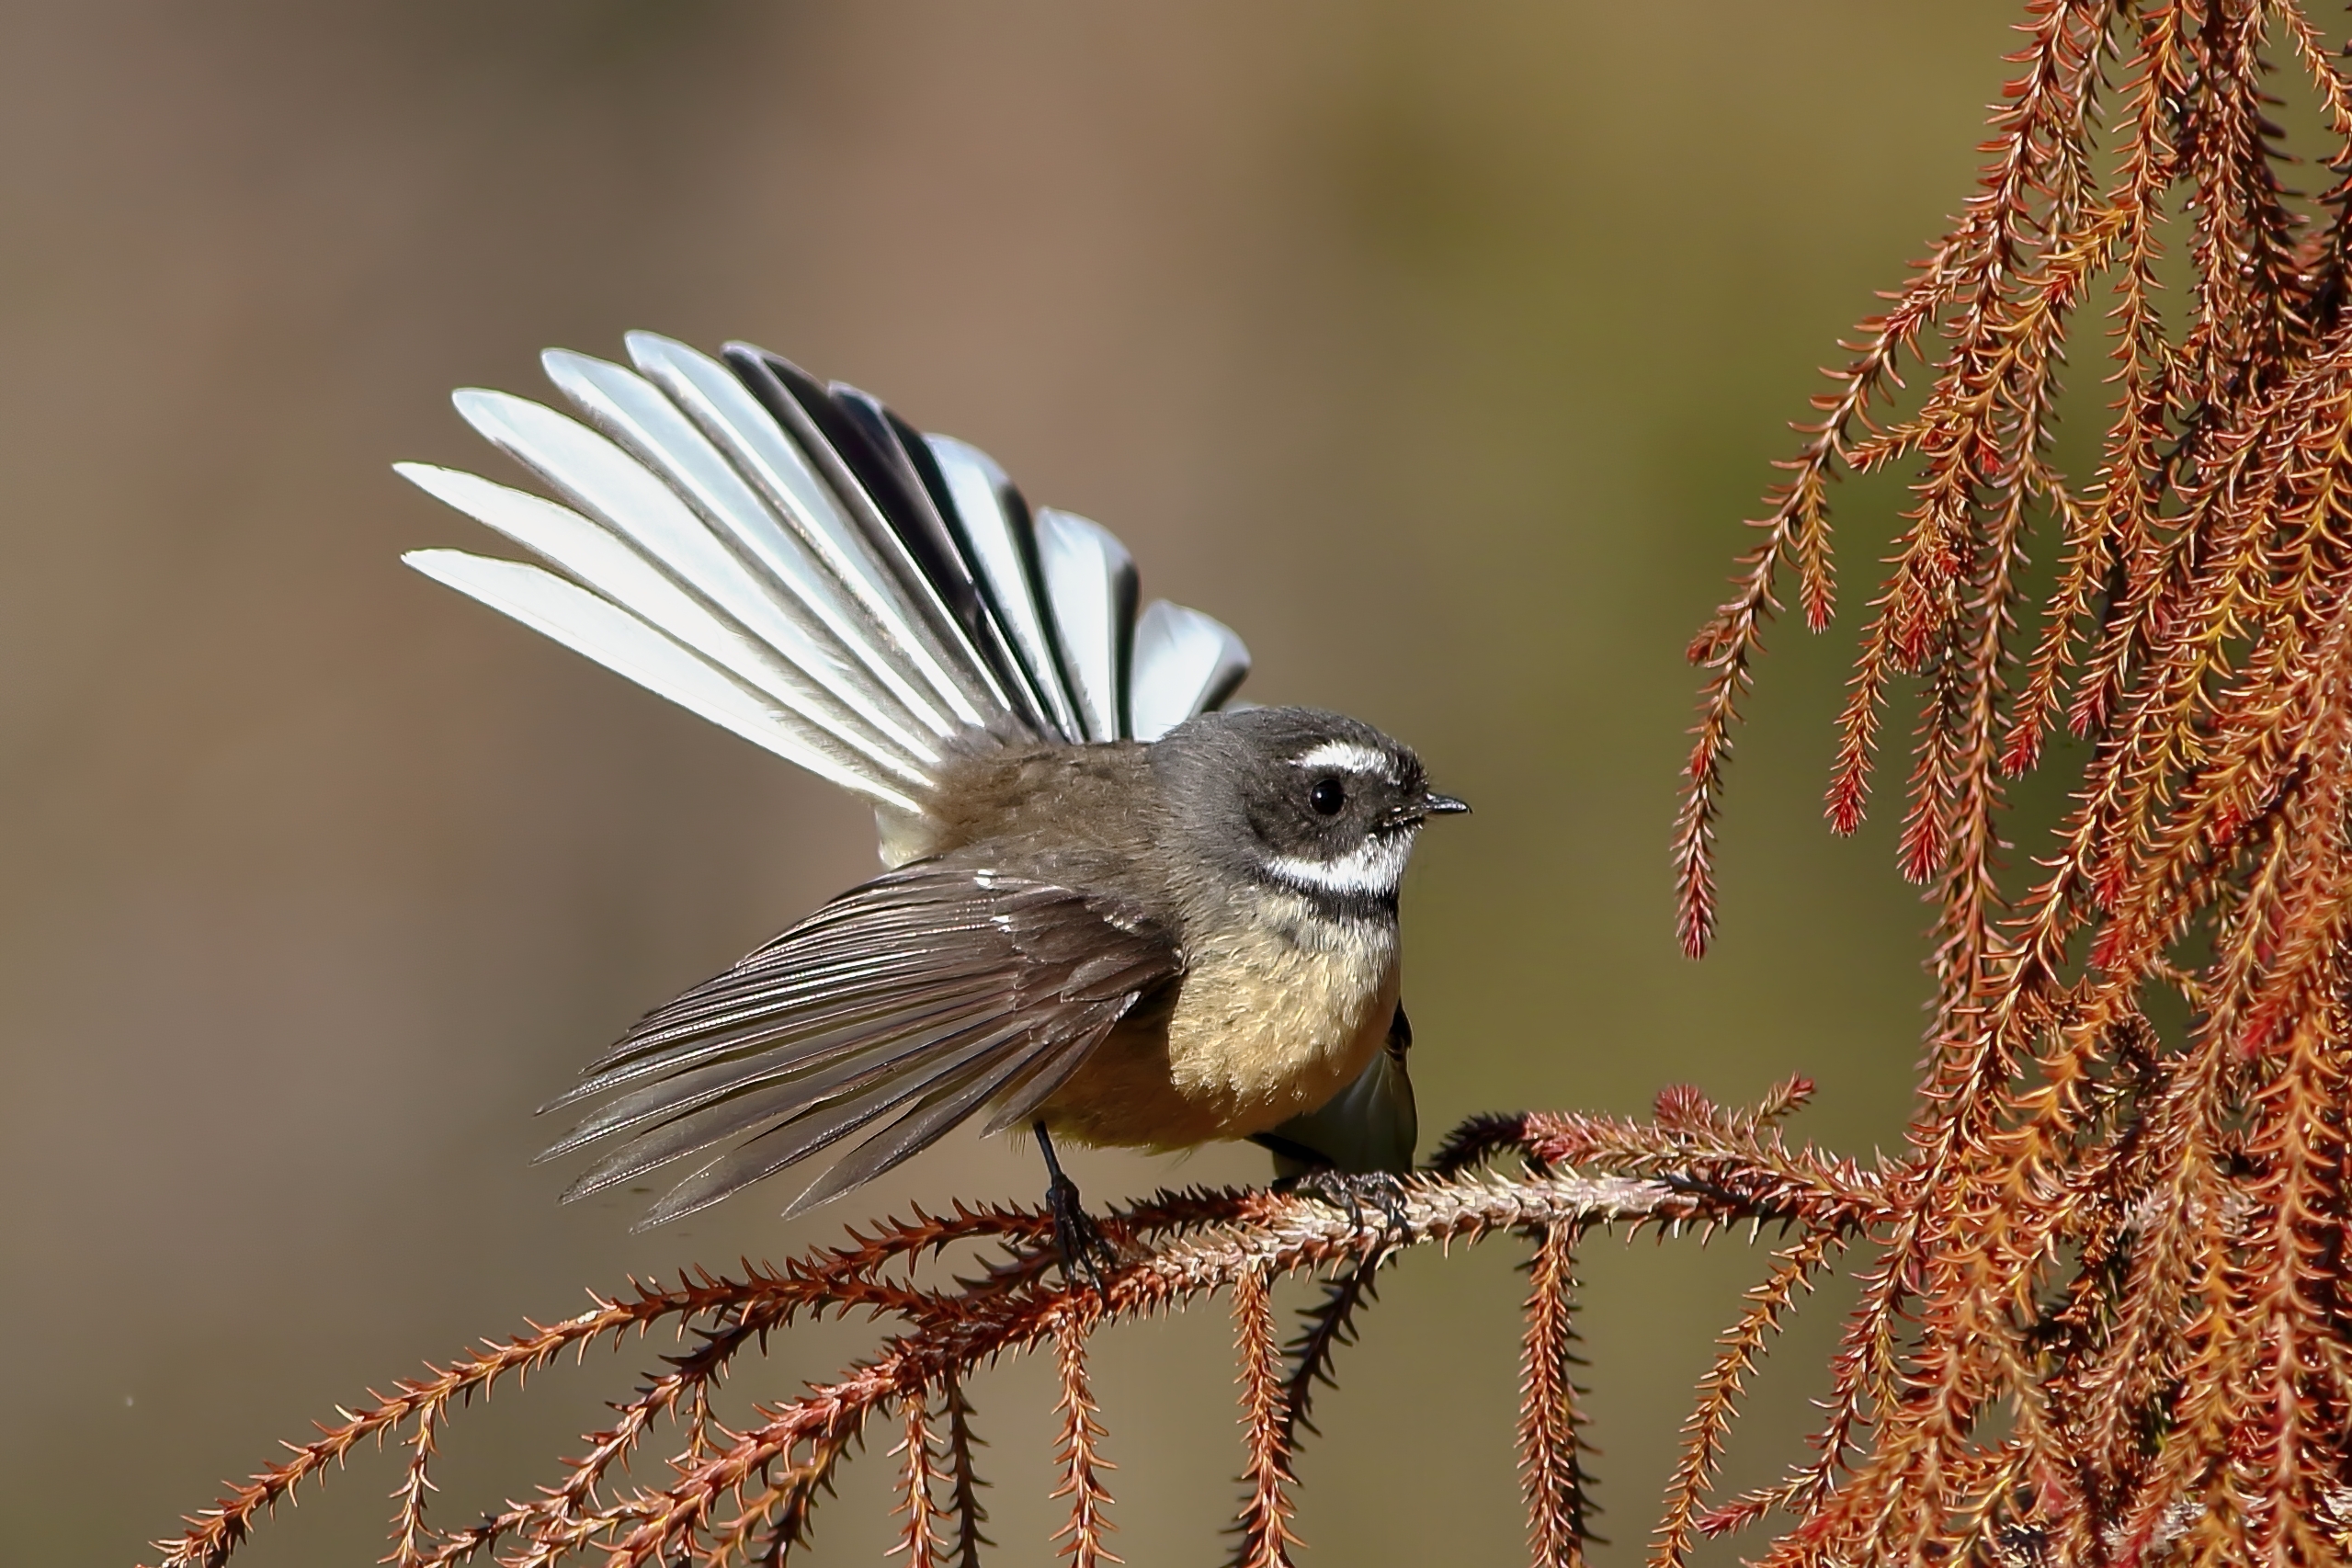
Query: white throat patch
[[1371, 870]]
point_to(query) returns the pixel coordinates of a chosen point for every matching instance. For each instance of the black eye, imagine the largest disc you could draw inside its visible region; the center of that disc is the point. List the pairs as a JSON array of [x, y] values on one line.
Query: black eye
[[1328, 796]]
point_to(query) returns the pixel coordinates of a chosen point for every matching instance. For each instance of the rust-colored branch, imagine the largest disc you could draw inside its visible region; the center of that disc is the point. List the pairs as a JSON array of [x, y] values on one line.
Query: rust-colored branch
[[1179, 1247]]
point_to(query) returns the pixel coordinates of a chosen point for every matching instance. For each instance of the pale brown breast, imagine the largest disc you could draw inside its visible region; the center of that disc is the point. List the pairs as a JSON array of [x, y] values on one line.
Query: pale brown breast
[[1274, 1016]]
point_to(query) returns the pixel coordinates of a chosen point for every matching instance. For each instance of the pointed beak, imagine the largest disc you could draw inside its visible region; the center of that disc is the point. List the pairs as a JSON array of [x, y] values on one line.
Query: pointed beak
[[1413, 814]]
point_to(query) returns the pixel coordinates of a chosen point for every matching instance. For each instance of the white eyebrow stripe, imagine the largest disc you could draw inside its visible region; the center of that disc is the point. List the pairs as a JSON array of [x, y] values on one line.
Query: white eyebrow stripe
[[1351, 756], [1373, 866]]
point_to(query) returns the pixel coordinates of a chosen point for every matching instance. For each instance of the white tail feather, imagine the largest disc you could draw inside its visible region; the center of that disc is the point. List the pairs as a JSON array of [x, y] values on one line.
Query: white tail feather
[[1090, 580], [609, 566], [734, 563], [872, 572], [1185, 663], [614, 488], [622, 644], [1004, 554], [634, 413]]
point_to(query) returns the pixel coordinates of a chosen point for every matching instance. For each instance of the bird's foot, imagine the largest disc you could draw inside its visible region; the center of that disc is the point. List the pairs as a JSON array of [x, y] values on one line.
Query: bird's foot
[[1083, 1247], [1354, 1192]]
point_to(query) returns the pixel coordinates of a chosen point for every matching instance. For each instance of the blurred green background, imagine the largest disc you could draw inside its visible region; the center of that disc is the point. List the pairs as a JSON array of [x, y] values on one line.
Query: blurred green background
[[1440, 349]]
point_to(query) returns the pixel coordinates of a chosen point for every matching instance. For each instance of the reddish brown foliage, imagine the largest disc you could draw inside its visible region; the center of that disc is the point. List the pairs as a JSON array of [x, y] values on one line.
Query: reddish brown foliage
[[2106, 1322]]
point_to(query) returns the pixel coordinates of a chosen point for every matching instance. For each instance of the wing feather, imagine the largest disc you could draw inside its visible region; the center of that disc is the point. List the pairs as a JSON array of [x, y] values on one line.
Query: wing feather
[[820, 1127], [796, 1048], [874, 1079], [933, 992], [929, 1120]]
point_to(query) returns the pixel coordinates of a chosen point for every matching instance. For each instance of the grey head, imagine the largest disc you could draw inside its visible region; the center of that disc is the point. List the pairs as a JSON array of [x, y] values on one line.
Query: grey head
[[1311, 803]]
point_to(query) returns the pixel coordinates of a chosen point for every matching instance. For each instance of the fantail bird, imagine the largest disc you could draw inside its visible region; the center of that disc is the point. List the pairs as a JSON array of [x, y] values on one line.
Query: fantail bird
[[1115, 914]]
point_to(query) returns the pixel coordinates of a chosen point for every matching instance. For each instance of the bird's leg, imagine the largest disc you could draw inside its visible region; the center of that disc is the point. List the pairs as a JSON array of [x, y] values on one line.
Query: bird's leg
[[1079, 1239], [1350, 1190]]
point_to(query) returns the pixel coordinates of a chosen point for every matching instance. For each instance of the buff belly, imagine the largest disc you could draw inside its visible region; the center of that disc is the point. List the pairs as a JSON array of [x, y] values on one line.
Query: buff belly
[[1265, 1026]]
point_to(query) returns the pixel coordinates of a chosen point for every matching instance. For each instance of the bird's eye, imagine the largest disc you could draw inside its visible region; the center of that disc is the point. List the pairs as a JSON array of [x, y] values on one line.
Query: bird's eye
[[1328, 796]]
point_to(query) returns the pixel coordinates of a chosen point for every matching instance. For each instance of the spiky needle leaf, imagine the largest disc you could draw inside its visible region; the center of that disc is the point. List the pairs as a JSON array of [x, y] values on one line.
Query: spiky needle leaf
[[1266, 1537], [1550, 1472]]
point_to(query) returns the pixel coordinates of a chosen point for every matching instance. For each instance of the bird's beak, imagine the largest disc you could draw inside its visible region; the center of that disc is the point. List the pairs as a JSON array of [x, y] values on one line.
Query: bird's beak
[[1431, 804]]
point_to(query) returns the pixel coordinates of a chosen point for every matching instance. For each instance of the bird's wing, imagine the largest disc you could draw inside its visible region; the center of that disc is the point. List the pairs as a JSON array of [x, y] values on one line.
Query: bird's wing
[[796, 563], [920, 997]]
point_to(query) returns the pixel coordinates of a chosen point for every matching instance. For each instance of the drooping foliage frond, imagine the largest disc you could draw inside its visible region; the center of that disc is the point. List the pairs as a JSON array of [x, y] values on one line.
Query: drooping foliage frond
[[2107, 1316]]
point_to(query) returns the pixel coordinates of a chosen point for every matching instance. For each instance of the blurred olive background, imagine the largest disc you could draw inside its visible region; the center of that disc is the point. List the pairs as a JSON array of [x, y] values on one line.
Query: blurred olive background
[[1439, 349]]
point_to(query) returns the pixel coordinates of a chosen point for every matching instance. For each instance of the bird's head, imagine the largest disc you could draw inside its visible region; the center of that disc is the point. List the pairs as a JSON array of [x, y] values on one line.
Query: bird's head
[[1313, 803]]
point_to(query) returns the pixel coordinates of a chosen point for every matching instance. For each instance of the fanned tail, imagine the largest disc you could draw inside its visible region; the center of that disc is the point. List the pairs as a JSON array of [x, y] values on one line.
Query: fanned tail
[[793, 562]]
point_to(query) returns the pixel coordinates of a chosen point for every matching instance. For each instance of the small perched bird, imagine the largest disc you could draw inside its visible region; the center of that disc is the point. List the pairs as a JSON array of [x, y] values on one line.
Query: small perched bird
[[1113, 914]]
